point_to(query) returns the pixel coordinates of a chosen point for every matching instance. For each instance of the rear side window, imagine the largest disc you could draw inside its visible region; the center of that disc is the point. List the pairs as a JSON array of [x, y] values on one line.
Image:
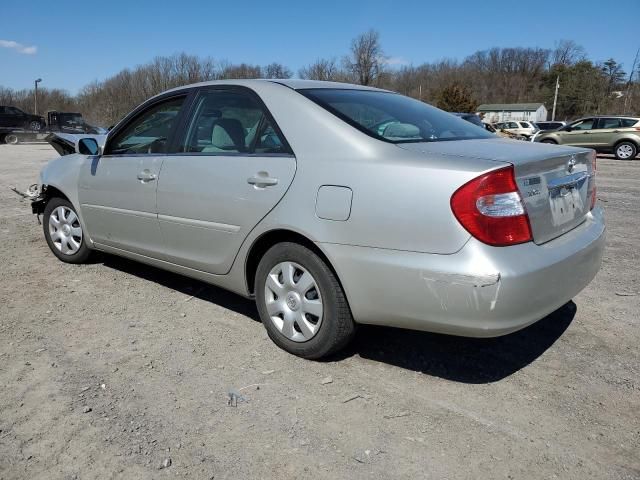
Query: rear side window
[[525, 125], [230, 121], [609, 123], [149, 132], [392, 117], [629, 122]]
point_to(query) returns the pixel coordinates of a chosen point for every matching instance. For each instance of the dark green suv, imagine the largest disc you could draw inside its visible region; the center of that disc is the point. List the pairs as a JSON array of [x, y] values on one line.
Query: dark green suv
[[617, 135]]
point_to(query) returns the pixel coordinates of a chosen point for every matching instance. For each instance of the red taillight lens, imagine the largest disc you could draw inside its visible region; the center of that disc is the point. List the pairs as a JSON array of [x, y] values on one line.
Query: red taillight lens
[[592, 180], [491, 209]]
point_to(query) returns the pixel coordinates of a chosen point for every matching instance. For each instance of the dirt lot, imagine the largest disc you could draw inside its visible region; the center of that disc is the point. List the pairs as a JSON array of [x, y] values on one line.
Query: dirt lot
[[108, 370]]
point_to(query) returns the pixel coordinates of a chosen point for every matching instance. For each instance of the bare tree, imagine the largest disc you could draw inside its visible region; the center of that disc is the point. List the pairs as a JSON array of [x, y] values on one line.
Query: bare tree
[[321, 69], [567, 52], [276, 70], [366, 59]]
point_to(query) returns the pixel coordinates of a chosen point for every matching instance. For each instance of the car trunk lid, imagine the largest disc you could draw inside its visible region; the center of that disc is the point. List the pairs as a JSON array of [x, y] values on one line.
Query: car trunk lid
[[555, 182]]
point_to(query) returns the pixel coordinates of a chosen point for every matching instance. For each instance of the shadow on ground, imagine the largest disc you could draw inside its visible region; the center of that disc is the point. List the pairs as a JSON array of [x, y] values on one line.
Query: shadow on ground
[[459, 359]]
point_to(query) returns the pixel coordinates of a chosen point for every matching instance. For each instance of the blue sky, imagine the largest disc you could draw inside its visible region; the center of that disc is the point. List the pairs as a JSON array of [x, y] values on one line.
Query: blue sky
[[78, 42]]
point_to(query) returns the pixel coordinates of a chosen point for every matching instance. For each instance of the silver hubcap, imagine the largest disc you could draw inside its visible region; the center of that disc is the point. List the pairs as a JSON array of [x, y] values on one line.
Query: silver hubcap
[[625, 151], [293, 301], [65, 230]]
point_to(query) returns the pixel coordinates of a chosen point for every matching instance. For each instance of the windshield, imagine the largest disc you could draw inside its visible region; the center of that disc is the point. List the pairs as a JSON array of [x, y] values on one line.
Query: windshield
[[392, 117]]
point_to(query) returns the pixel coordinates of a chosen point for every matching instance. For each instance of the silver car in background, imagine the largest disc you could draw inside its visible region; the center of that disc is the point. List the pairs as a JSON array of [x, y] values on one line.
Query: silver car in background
[[334, 205]]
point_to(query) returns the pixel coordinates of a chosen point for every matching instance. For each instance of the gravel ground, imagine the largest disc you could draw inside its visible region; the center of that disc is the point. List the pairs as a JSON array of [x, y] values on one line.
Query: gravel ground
[[116, 370]]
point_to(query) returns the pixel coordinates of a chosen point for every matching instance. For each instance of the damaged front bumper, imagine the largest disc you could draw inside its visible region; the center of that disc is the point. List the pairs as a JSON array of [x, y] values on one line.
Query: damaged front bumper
[[480, 291]]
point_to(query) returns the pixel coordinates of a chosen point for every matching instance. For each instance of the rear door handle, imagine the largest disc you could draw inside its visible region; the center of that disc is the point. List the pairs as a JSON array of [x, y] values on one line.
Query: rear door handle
[[146, 176], [261, 180]]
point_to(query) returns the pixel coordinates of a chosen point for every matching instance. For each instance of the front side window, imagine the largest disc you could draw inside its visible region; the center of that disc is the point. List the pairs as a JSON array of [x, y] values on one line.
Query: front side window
[[229, 121], [392, 117], [149, 132], [586, 124]]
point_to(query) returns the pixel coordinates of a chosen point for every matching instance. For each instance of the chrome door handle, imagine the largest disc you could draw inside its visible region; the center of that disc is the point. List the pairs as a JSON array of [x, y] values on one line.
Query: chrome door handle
[[261, 180], [146, 176]]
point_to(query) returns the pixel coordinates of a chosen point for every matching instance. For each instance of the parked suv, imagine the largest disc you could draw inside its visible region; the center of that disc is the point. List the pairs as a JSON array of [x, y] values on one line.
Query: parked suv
[[617, 135], [12, 117], [526, 129]]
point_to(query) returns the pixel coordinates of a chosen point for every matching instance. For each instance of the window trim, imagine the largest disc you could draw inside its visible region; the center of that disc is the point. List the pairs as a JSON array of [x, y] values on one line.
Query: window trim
[[141, 110], [183, 126]]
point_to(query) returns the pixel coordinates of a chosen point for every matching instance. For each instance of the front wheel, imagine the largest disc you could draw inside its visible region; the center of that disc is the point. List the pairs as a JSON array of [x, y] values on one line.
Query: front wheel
[[551, 142], [626, 151], [63, 232], [35, 125], [301, 303]]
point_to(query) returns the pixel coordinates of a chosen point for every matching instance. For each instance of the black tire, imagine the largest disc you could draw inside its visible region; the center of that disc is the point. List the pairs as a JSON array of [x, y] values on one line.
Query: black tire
[[549, 141], [336, 327], [631, 145], [34, 125], [83, 253], [11, 139]]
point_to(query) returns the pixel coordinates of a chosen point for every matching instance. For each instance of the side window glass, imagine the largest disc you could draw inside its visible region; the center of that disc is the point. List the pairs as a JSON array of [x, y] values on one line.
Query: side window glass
[[609, 123], [268, 141], [586, 124], [149, 132], [226, 121], [629, 122]]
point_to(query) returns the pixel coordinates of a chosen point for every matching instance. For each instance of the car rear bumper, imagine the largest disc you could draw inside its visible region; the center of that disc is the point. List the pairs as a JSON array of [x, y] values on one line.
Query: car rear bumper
[[480, 291]]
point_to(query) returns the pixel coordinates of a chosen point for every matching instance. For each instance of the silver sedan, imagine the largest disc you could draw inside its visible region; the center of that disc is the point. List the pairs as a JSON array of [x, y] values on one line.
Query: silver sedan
[[333, 205]]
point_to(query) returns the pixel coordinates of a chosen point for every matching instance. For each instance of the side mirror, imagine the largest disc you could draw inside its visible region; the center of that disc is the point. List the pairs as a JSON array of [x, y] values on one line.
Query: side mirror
[[88, 146], [567, 129]]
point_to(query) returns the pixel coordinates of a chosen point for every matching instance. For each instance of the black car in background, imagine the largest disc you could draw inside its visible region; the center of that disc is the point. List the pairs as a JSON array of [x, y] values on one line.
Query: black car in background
[[12, 117], [550, 125], [470, 117]]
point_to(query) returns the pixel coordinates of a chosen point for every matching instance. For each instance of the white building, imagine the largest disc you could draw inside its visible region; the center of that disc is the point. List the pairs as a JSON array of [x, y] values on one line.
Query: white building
[[500, 112]]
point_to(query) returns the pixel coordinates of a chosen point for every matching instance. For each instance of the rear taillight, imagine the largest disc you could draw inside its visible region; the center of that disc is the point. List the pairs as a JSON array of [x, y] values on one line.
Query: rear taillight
[[592, 180], [491, 209]]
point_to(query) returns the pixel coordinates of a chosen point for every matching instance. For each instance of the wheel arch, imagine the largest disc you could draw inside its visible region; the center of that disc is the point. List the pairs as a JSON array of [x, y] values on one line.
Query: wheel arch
[[635, 141], [47, 192], [272, 237]]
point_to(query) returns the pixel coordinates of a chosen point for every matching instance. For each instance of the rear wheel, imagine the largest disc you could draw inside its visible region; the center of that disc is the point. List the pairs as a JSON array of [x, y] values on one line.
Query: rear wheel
[[626, 151], [11, 139], [63, 232], [301, 303]]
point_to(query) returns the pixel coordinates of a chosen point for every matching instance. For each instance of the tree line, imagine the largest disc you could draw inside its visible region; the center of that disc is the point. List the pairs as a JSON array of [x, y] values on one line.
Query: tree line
[[497, 75]]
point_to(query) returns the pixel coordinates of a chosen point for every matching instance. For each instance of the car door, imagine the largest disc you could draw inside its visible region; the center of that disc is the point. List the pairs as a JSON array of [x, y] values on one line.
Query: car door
[[579, 133], [233, 166], [17, 118], [604, 131], [117, 190], [3, 116]]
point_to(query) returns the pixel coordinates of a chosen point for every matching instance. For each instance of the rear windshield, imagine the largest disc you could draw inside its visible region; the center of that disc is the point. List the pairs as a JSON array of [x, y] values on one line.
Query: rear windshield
[[392, 117]]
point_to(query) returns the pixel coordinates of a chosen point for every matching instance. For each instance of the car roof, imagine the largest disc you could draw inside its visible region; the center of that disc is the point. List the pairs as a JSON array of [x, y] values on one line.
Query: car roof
[[295, 84]]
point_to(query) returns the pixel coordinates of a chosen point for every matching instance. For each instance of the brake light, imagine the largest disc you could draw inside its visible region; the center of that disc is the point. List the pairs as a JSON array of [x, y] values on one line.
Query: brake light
[[592, 180], [490, 208]]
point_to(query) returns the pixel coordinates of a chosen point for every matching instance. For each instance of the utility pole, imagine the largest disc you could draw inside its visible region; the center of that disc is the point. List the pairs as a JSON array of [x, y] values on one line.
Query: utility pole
[[35, 96], [555, 99], [627, 97]]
